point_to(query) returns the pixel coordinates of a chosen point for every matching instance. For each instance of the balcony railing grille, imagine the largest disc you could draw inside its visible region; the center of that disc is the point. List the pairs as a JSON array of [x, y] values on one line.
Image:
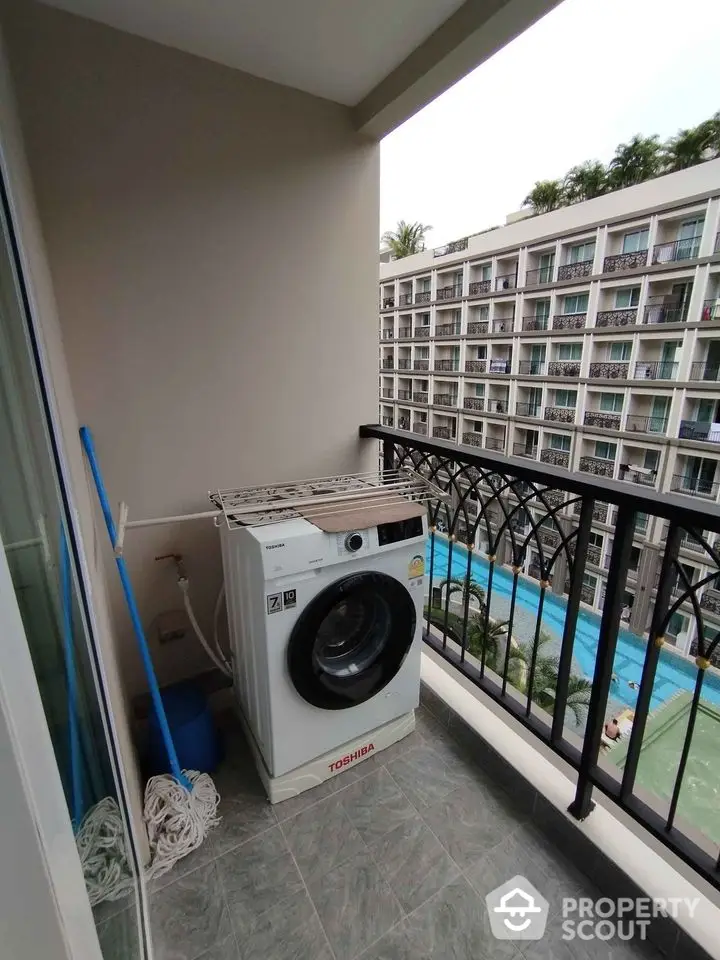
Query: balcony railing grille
[[405, 299], [474, 403], [421, 364], [532, 368], [573, 271], [420, 396], [559, 458], [560, 414], [447, 330], [534, 323], [569, 321], [479, 286], [476, 328], [450, 365], [616, 318], [597, 466], [475, 366], [655, 370], [694, 486], [422, 297], [564, 368], [475, 439], [445, 399], [596, 418], [610, 370], [449, 293], [625, 261], [422, 333], [676, 250]]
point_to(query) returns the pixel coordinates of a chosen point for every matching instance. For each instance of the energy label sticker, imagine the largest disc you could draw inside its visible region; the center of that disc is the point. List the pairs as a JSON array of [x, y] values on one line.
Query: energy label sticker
[[416, 567]]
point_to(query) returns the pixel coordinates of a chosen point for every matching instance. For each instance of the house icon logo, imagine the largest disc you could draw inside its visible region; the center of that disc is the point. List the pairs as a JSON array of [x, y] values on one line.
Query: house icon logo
[[517, 911]]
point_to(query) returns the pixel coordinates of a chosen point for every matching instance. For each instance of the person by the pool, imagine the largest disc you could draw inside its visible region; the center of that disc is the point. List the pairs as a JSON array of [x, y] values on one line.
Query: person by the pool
[[612, 730]]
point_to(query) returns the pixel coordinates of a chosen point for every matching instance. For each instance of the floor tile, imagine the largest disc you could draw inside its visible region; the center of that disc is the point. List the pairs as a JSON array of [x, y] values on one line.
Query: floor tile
[[322, 837], [204, 855], [256, 876], [552, 946], [227, 950], [290, 930], [189, 916], [375, 805], [294, 805], [243, 816], [413, 862], [454, 925], [118, 936], [423, 776], [355, 905], [395, 945], [469, 824], [559, 876]]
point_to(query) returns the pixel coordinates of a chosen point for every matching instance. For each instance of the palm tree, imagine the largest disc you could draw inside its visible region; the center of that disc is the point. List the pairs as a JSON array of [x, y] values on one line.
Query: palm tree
[[466, 589], [545, 196], [406, 239], [486, 634], [693, 146], [635, 161], [545, 679], [585, 181]]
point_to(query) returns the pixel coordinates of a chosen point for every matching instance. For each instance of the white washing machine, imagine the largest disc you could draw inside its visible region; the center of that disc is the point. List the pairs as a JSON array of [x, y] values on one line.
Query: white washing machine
[[325, 631]]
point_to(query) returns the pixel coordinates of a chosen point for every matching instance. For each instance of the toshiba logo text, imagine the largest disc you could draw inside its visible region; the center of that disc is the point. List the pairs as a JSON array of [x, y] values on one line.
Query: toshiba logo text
[[352, 757]]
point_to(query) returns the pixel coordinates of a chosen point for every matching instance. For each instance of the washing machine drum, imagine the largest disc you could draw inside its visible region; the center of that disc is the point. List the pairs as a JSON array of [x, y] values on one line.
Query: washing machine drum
[[351, 640]]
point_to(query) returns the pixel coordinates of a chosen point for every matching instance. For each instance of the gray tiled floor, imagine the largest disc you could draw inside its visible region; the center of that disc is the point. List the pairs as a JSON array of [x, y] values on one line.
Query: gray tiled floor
[[389, 861]]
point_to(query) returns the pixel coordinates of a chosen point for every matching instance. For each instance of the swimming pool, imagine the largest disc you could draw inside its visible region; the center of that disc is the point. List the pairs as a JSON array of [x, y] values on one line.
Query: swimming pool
[[673, 674]]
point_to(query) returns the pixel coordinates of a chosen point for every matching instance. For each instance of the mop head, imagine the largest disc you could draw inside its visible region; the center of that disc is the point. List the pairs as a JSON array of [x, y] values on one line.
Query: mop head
[[177, 822]]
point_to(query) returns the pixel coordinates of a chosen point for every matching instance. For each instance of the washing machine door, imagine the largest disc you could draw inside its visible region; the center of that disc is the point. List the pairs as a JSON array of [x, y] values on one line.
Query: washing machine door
[[351, 640]]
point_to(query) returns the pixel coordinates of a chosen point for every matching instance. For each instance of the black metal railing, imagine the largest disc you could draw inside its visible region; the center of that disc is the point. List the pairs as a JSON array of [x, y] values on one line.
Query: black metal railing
[[405, 299], [420, 396], [447, 329], [387, 303], [506, 281], [528, 409], [616, 318], [475, 366], [655, 370], [532, 368], [559, 458], [479, 286], [445, 399], [642, 424], [596, 418], [705, 371], [474, 438], [535, 322], [451, 292], [477, 328], [420, 427], [387, 334], [540, 275], [564, 368], [573, 271], [610, 370], [404, 394], [387, 393], [698, 430], [446, 365], [646, 478], [598, 466], [404, 363], [494, 443], [422, 297], [694, 486], [455, 246], [387, 363], [525, 450], [538, 517], [445, 433], [404, 333], [560, 414], [665, 310], [569, 321], [474, 403], [422, 333], [676, 250], [625, 261]]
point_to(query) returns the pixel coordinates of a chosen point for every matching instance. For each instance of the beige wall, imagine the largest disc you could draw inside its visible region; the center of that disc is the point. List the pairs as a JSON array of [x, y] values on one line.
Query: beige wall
[[213, 245]]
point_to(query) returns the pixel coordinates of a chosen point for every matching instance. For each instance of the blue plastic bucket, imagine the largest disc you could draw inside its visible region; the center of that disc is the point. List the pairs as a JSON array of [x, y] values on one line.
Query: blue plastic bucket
[[192, 728]]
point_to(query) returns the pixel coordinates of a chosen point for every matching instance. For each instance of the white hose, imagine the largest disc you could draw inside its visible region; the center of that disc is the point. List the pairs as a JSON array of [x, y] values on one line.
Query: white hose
[[218, 661], [216, 624]]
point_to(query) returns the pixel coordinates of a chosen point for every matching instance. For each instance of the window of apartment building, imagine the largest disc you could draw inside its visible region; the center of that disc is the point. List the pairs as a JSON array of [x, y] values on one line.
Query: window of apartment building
[[559, 442], [634, 558], [542, 309], [566, 398], [486, 271], [605, 450], [651, 460], [480, 353], [569, 351], [676, 626], [575, 303], [589, 581], [581, 252], [422, 320], [690, 229], [596, 540], [423, 285], [635, 241], [620, 351], [611, 402], [629, 297], [545, 265], [483, 313], [422, 353], [479, 389], [477, 426], [456, 314]]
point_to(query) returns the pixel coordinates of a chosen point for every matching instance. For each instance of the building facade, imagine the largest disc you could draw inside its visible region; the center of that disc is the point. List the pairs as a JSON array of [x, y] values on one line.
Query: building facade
[[587, 338]]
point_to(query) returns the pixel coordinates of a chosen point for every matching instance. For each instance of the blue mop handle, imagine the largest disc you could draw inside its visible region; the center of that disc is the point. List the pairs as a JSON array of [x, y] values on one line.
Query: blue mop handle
[[71, 680], [87, 442]]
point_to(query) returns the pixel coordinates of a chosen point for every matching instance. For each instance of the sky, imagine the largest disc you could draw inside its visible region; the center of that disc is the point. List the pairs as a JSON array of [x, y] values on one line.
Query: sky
[[588, 76]]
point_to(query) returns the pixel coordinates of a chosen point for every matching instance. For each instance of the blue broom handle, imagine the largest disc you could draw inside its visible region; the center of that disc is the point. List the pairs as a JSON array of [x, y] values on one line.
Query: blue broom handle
[[71, 680], [89, 446]]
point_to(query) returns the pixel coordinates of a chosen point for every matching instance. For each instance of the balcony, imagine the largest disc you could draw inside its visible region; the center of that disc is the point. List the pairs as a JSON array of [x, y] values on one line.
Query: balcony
[[694, 486], [610, 370], [655, 370], [422, 333], [445, 399], [455, 246], [444, 433], [475, 366], [539, 276], [472, 437], [573, 271], [534, 323], [474, 403], [705, 371], [479, 286], [499, 365], [531, 368], [404, 333], [403, 423], [646, 478], [698, 430], [711, 309], [386, 393], [523, 450], [494, 443], [387, 334], [420, 396], [560, 414], [451, 365], [507, 281], [405, 299], [496, 406], [569, 321], [642, 424], [421, 365], [625, 261], [420, 427], [387, 421], [598, 466], [404, 395], [422, 297], [477, 328], [528, 409], [710, 600], [387, 303], [564, 368], [404, 363], [665, 310], [447, 329], [449, 293], [616, 318], [608, 421], [677, 250], [558, 458], [387, 363]]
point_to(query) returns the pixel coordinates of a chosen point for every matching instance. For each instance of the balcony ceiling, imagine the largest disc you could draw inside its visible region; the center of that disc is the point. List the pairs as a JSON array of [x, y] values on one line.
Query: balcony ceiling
[[367, 54]]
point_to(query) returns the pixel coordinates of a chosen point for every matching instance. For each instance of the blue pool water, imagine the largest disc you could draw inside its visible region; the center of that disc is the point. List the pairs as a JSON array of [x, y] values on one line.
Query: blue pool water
[[673, 673]]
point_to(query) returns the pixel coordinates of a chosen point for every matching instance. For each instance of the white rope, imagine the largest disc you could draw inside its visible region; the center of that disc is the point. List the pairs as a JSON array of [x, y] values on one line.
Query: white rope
[[177, 822]]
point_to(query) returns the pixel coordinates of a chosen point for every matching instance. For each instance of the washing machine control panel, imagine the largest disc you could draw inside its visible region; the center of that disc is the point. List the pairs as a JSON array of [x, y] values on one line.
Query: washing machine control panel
[[399, 530], [353, 542]]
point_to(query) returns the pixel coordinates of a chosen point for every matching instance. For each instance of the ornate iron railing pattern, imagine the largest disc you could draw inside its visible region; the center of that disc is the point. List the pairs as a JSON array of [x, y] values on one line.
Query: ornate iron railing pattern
[[422, 333], [474, 403], [573, 271], [534, 323], [564, 368], [616, 318], [387, 363], [513, 523], [560, 414], [422, 297], [598, 466], [449, 293], [476, 328], [610, 370], [531, 368], [474, 438], [405, 299], [479, 286], [455, 246], [560, 458], [388, 303], [445, 399], [540, 275], [596, 418], [420, 396], [447, 330], [475, 366], [445, 433], [625, 261], [569, 321]]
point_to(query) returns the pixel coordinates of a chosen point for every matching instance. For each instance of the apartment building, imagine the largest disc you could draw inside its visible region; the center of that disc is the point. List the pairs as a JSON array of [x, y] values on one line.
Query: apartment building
[[587, 338]]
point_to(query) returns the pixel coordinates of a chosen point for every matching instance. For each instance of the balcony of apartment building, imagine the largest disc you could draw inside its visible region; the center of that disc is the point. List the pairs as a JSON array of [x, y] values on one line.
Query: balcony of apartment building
[[448, 324], [656, 359], [598, 457], [561, 405], [387, 296], [387, 330], [678, 238], [420, 358], [577, 258], [474, 397], [404, 358], [532, 359], [706, 364], [506, 274], [540, 267], [701, 420], [502, 317], [668, 301], [603, 410], [618, 306], [529, 402], [444, 427], [648, 413], [449, 285], [473, 432], [420, 422], [500, 359], [422, 290], [557, 449], [404, 388], [404, 293], [480, 279], [710, 309], [446, 358], [495, 437], [420, 388], [445, 393], [610, 360], [626, 248], [387, 388], [497, 399], [475, 358], [387, 358], [478, 322], [639, 464], [526, 443], [565, 360], [696, 476], [404, 326], [387, 416], [536, 314], [421, 325], [572, 314]]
